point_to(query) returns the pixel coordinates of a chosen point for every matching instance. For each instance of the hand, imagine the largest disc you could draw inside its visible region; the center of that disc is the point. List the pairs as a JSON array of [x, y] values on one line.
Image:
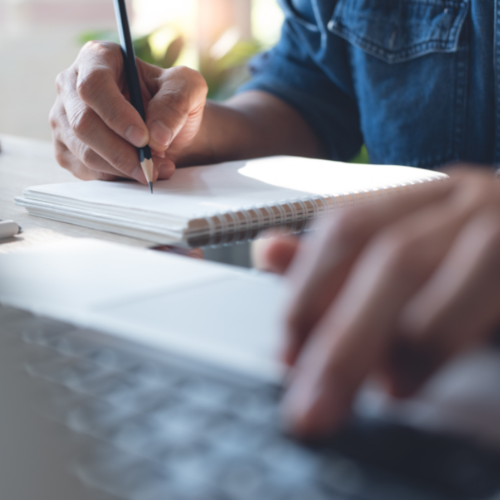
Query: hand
[[393, 288], [96, 130]]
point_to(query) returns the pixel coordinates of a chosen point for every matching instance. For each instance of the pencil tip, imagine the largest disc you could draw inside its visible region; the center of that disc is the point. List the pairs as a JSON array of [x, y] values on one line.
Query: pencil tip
[[151, 187]]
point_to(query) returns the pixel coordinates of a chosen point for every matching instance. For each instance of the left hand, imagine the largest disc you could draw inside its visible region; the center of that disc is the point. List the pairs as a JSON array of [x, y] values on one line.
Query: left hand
[[392, 288]]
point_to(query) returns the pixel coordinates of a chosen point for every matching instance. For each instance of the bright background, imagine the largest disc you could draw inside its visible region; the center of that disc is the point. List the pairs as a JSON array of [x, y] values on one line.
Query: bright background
[[40, 38]]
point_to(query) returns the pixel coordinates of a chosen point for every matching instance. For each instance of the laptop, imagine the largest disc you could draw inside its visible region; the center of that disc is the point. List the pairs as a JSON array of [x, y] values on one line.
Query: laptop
[[133, 374]]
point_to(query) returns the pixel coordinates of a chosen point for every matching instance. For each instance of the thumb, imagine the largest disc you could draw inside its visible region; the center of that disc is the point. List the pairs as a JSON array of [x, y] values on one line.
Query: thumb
[[274, 254]]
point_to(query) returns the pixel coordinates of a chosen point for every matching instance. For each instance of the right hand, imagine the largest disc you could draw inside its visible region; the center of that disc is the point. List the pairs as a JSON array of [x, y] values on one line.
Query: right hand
[[96, 130]]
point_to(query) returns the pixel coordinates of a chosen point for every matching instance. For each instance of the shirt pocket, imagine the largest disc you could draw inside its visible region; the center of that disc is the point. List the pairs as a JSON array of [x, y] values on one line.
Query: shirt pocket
[[399, 30]]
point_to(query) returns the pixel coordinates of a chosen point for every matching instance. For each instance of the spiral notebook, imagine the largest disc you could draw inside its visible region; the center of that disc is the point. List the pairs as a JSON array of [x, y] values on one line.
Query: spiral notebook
[[219, 204]]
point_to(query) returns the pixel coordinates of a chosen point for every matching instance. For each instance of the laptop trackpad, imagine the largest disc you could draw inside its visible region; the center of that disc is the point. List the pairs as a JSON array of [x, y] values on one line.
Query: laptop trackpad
[[234, 321]]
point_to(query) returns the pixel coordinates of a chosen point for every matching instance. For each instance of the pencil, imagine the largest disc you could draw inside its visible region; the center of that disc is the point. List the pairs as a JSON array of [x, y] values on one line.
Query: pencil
[[134, 87]]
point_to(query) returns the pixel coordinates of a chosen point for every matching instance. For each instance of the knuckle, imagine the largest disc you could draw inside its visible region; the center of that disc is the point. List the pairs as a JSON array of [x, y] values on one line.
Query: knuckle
[[192, 78], [100, 48], [185, 73], [61, 156], [53, 117], [91, 85], [87, 156], [82, 124], [199, 81], [60, 81]]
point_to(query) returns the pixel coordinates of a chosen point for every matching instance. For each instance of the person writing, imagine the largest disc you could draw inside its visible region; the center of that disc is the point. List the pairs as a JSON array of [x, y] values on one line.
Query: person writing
[[393, 289]]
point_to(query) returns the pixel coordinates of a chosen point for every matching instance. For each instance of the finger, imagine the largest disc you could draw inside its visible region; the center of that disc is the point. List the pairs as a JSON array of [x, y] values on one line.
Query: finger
[[345, 345], [73, 157], [99, 73], [456, 309], [89, 129], [88, 157], [68, 161], [274, 253], [177, 104], [81, 152], [164, 167], [324, 260]]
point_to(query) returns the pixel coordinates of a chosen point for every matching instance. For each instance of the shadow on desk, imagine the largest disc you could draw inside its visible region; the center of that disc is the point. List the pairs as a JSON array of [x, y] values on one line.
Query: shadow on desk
[[4, 241]]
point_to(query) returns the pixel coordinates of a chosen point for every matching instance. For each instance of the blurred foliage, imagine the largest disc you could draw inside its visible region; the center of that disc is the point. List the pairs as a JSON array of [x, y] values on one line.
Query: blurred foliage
[[223, 72], [362, 156]]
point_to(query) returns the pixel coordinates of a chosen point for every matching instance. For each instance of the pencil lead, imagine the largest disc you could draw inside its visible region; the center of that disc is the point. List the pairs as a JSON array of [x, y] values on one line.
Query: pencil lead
[[151, 187]]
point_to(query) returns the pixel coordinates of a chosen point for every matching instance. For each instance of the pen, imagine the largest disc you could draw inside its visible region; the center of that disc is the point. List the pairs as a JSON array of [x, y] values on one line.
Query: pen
[[134, 87], [8, 229]]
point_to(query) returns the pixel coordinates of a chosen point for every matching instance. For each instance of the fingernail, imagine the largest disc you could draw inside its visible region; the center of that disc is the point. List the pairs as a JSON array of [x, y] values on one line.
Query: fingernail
[[311, 411], [161, 133], [166, 170], [138, 175], [159, 154], [136, 136]]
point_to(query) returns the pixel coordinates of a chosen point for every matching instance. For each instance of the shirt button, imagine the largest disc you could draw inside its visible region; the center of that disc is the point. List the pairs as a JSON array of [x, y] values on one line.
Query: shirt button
[[332, 24]]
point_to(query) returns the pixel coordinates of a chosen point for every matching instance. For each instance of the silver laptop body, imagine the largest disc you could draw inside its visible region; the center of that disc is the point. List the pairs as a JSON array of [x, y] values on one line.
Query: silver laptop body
[[132, 374]]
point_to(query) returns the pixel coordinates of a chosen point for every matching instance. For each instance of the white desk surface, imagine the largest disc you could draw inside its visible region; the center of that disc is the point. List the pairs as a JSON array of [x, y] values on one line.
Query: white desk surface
[[29, 162]]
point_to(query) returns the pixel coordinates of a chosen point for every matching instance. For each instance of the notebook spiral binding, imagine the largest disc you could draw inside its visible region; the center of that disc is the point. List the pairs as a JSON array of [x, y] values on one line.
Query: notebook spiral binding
[[241, 226], [293, 216]]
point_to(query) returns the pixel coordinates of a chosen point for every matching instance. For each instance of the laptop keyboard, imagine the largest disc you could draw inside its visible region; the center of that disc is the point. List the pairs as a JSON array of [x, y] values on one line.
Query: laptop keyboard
[[157, 429]]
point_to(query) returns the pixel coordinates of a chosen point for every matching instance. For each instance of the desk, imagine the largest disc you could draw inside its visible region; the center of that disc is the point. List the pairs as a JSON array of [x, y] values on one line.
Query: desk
[[29, 162]]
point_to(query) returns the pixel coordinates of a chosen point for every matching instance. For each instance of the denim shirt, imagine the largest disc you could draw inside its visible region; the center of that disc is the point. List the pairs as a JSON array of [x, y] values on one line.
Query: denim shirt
[[414, 80]]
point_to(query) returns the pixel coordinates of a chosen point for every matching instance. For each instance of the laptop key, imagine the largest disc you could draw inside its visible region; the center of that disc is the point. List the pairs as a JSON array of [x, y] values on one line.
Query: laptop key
[[136, 437], [71, 373], [289, 462], [258, 406], [178, 425], [168, 490], [206, 394], [232, 438], [122, 475], [95, 417], [192, 468], [137, 387], [247, 480]]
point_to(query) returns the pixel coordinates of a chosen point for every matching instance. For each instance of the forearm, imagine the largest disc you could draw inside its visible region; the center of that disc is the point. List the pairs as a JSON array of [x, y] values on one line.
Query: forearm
[[250, 125]]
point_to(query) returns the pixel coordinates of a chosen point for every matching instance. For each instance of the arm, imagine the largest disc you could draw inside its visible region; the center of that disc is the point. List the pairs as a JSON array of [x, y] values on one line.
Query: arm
[[255, 124]]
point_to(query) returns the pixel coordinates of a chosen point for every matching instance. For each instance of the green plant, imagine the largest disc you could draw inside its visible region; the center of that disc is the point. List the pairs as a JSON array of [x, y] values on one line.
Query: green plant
[[362, 156]]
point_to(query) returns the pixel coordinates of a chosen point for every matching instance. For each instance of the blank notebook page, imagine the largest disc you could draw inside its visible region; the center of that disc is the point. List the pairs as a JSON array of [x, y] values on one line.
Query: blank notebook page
[[202, 191]]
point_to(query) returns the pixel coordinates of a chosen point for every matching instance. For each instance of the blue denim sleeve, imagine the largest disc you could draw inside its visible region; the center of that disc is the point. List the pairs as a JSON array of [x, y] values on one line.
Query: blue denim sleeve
[[288, 72]]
